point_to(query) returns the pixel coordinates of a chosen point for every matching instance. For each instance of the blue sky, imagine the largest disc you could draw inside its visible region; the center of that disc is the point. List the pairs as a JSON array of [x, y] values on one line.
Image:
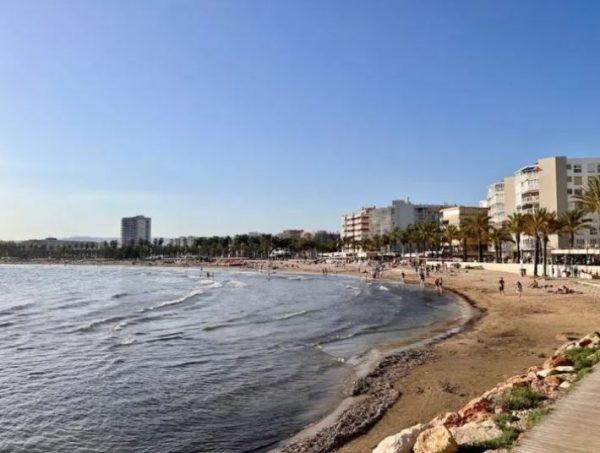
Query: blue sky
[[221, 117]]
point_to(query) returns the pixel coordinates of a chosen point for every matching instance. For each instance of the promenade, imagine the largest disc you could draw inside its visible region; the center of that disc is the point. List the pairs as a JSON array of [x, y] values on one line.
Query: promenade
[[574, 424]]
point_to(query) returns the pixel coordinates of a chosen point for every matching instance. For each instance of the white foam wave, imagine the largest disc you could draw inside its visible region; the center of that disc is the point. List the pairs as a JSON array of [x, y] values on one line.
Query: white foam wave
[[236, 284], [180, 300], [384, 288], [210, 284]]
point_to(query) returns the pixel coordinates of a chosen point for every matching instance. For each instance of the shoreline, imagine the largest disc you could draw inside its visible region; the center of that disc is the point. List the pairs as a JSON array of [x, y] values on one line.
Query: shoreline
[[372, 392]]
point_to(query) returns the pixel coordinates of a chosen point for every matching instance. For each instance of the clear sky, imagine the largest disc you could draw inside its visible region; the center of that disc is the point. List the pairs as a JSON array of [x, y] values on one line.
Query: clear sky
[[223, 117]]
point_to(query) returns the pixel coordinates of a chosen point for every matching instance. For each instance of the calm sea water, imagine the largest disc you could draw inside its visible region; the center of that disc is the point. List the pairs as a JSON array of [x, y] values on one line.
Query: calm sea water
[[98, 359]]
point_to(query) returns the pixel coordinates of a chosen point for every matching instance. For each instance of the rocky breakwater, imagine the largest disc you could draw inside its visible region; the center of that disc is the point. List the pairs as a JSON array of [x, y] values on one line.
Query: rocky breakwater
[[373, 395], [494, 421]]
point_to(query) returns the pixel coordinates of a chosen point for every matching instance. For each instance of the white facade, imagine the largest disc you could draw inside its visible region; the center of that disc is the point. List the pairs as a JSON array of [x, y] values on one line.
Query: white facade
[[134, 229]]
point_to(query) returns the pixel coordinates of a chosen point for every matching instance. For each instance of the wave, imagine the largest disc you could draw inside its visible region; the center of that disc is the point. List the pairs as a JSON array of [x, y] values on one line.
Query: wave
[[167, 337], [383, 288], [215, 327], [291, 315], [168, 303], [99, 322], [187, 364], [236, 284], [119, 295]]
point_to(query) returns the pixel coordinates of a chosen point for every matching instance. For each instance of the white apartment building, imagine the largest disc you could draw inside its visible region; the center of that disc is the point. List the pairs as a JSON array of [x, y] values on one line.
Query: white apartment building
[[357, 224], [134, 229], [549, 183]]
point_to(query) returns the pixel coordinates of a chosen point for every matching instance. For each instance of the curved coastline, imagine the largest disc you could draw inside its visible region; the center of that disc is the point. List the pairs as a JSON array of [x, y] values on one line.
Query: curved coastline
[[371, 391]]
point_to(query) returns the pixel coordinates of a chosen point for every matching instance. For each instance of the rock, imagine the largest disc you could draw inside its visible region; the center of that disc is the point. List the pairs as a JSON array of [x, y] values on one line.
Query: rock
[[449, 419], [500, 450], [564, 369], [591, 340], [477, 409], [436, 440], [565, 385], [552, 381], [402, 442], [556, 361], [472, 432]]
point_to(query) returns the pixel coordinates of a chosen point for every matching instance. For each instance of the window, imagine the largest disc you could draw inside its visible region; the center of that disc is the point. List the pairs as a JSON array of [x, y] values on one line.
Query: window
[[578, 180], [569, 179], [593, 231], [593, 241], [580, 242], [577, 168], [590, 178], [578, 192], [568, 166], [569, 191], [591, 168]]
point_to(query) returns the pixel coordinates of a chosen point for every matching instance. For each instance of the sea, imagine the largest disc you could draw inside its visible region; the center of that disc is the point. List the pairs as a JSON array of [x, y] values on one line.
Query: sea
[[150, 359]]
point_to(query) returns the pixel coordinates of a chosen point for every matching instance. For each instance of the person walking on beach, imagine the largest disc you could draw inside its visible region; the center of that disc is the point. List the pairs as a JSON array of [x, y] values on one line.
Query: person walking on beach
[[422, 279], [402, 276], [440, 286], [501, 285], [519, 289]]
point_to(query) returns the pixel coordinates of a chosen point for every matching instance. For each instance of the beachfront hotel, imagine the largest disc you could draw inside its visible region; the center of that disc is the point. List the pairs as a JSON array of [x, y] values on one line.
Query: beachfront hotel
[[135, 228], [550, 183]]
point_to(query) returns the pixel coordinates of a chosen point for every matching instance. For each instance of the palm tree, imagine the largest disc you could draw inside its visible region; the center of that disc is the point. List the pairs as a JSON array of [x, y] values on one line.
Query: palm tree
[[450, 233], [478, 225], [589, 200], [573, 221], [464, 236], [535, 226], [551, 226], [497, 236], [516, 225]]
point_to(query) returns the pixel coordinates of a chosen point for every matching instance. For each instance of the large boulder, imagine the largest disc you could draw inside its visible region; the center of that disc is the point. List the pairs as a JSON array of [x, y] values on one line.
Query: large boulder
[[472, 432], [557, 360], [477, 409], [436, 440], [402, 442]]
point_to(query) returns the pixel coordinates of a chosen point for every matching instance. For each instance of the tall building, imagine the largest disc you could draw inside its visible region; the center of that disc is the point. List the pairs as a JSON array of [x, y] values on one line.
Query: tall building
[[135, 228], [550, 183], [500, 199], [357, 225]]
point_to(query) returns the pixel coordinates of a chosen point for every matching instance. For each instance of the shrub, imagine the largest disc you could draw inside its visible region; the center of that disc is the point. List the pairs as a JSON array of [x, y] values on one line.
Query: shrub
[[583, 357], [535, 416], [519, 398], [504, 420], [505, 440]]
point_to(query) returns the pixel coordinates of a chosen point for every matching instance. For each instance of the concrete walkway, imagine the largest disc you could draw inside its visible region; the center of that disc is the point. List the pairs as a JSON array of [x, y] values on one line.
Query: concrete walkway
[[574, 424]]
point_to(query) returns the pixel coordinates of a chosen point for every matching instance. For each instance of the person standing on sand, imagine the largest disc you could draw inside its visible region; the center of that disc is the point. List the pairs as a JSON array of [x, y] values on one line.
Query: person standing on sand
[[402, 276], [422, 279], [519, 289], [441, 286], [501, 285]]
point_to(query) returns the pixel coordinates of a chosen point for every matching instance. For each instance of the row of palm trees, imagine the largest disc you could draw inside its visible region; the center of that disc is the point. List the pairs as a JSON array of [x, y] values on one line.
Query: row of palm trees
[[479, 230]]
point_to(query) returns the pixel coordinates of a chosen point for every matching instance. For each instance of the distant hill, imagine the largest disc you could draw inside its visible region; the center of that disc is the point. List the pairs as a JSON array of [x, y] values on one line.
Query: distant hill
[[88, 239]]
